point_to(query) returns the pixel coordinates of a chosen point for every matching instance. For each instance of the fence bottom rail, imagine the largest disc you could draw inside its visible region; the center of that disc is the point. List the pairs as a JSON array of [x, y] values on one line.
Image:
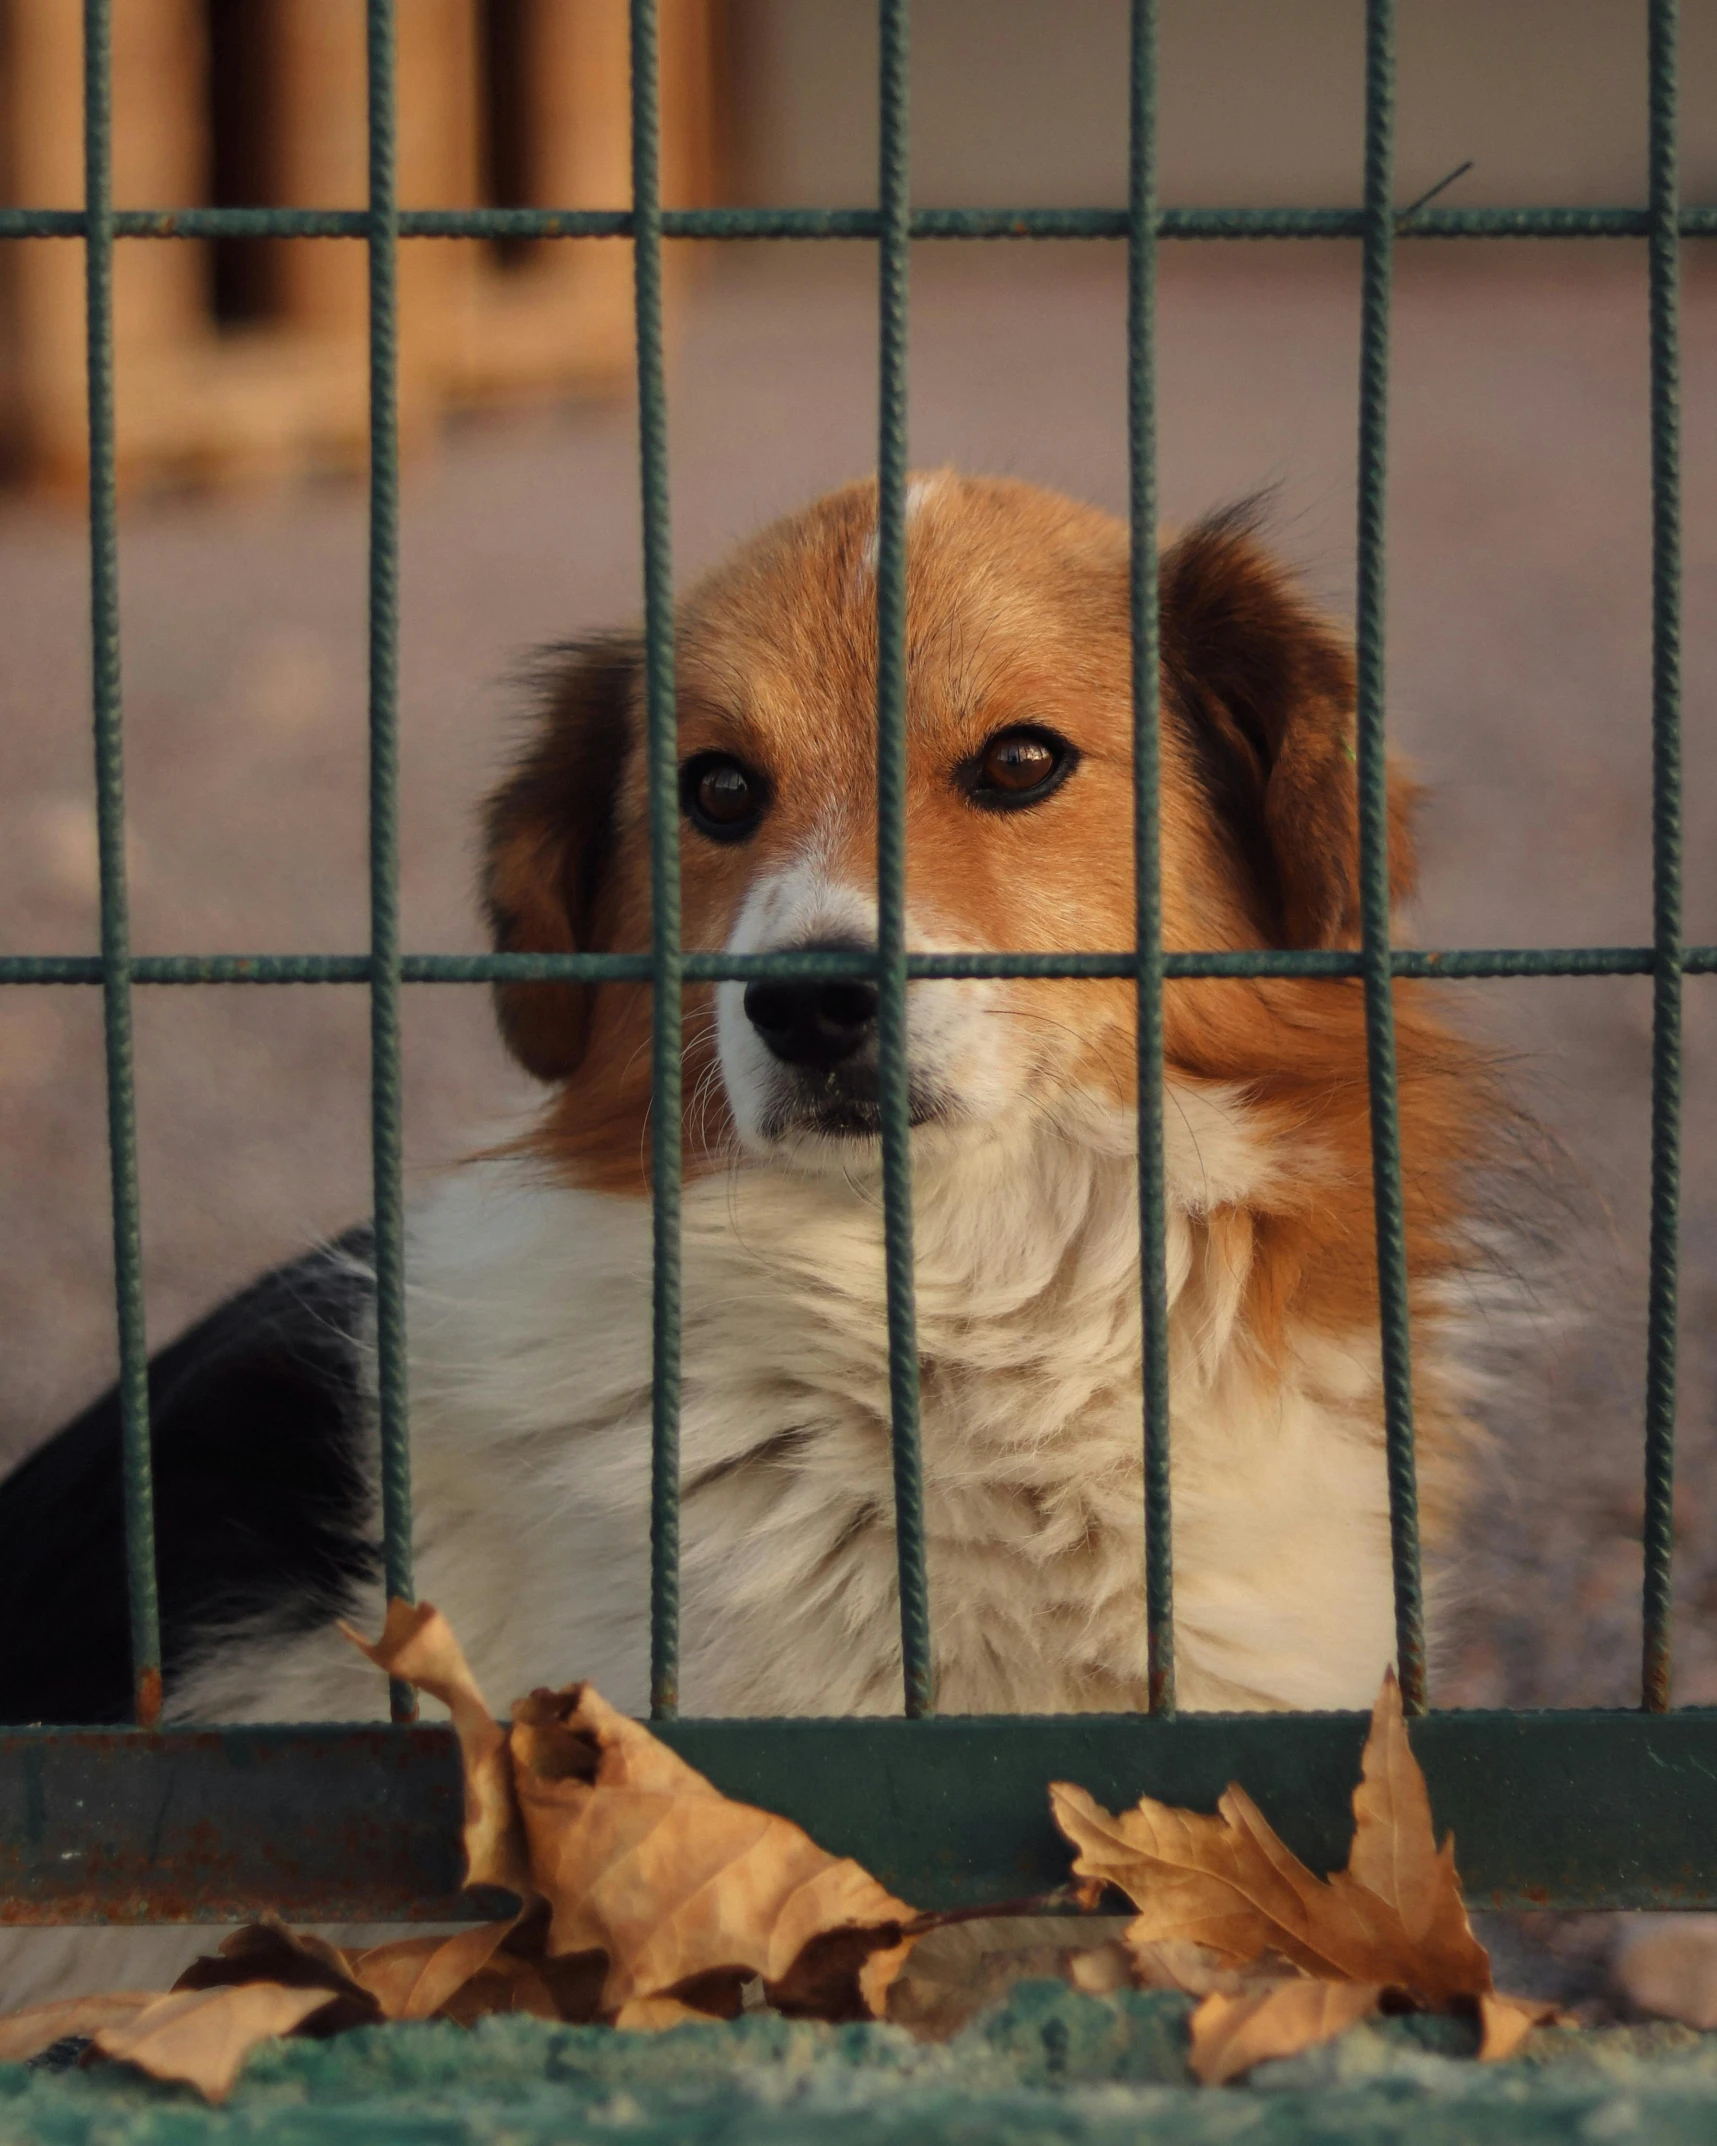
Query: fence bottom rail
[[1571, 1809]]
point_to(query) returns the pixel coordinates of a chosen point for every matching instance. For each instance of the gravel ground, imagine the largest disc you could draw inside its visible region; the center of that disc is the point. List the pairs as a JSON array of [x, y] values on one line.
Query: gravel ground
[[1519, 606]]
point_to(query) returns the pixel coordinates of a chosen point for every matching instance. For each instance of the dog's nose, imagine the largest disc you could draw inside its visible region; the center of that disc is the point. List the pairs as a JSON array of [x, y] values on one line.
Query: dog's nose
[[817, 1026]]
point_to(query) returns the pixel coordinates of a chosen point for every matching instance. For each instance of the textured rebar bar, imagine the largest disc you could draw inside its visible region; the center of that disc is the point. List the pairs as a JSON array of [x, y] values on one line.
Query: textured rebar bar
[[386, 1096], [138, 1483], [1664, 258], [798, 223], [1373, 778], [1147, 849], [803, 965], [893, 1074], [665, 958]]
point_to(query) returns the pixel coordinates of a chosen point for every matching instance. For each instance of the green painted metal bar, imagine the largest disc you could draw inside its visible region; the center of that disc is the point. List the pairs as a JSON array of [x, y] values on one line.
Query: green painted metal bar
[[1449, 965], [665, 956], [1147, 851], [1658, 1532], [322, 1822], [893, 1072], [1373, 778], [115, 963], [812, 223], [387, 1147]]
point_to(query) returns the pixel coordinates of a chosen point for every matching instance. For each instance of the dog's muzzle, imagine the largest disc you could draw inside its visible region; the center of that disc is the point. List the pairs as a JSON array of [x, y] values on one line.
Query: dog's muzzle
[[825, 1035]]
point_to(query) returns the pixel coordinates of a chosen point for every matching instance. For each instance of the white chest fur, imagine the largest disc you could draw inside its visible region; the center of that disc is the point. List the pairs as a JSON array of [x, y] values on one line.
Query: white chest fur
[[530, 1390]]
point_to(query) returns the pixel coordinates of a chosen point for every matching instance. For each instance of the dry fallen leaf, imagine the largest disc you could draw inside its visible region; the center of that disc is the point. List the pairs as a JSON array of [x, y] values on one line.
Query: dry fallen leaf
[[268, 1951], [24, 2035], [1231, 2034], [417, 1644], [688, 1894], [646, 1898], [492, 1967], [1505, 2022], [677, 1894], [413, 1977], [1223, 1891], [202, 2037], [1394, 1917]]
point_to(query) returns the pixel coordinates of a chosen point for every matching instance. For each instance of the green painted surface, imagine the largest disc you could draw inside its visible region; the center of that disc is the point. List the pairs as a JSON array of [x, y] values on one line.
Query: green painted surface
[[1049, 2065]]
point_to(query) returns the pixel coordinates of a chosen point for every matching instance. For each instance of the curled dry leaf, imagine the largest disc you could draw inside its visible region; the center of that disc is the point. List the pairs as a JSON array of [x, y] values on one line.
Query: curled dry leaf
[[649, 1874], [202, 2037], [688, 1894], [417, 1644], [268, 1952], [1231, 2034]]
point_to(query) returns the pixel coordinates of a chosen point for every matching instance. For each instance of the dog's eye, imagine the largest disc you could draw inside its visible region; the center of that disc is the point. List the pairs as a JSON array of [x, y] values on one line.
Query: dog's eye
[[721, 796], [1018, 767]]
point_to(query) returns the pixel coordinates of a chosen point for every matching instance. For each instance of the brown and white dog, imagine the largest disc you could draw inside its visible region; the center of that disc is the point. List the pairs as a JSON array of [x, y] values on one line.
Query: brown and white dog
[[529, 1287]]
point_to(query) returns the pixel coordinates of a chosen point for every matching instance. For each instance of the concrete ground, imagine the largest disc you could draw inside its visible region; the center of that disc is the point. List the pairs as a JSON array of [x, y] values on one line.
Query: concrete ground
[[1519, 681]]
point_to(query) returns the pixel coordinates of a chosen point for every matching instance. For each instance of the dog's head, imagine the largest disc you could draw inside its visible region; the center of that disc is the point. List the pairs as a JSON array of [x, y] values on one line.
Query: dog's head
[[1019, 820]]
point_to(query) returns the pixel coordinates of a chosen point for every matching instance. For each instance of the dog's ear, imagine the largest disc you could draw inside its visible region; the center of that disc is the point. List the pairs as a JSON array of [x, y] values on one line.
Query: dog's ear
[[549, 848], [1264, 687]]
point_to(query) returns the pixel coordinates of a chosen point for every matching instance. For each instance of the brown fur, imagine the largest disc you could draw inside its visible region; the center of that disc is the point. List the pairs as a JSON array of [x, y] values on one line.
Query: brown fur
[[1017, 611]]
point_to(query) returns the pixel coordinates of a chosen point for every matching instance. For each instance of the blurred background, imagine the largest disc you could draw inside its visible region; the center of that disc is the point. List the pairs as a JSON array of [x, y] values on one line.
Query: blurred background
[[1518, 606]]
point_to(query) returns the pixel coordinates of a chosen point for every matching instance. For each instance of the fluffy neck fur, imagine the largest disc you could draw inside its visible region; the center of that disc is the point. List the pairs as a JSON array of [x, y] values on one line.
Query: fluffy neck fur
[[530, 1371]]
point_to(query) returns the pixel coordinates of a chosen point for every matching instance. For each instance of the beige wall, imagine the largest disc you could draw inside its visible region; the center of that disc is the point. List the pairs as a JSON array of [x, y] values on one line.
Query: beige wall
[[1262, 100]]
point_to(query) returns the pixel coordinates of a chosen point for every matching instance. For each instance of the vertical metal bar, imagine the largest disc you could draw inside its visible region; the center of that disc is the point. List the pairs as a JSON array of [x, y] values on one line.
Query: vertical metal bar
[[1392, 1290], [894, 201], [1147, 847], [1664, 257], [663, 741], [108, 710], [386, 1110]]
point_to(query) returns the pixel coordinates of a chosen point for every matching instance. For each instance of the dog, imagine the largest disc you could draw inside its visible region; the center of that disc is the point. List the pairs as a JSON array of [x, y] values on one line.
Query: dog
[[529, 1267]]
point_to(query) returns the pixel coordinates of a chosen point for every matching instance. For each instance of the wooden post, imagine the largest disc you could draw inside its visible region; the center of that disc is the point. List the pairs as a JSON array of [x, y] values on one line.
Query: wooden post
[[285, 388]]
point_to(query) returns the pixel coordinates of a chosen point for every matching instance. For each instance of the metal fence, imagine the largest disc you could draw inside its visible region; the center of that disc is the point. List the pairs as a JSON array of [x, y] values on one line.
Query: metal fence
[[1570, 1808]]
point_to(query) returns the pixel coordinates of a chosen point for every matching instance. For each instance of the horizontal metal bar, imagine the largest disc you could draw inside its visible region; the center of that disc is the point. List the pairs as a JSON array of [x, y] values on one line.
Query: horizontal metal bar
[[1456, 964], [791, 223], [325, 1823]]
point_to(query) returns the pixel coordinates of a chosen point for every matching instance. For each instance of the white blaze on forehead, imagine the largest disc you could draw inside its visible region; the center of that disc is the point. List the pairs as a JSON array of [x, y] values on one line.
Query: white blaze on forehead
[[918, 494], [800, 903]]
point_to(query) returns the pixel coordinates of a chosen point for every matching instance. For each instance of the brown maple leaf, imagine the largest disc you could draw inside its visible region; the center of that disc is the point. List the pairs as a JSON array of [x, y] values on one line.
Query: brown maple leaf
[[1393, 1920]]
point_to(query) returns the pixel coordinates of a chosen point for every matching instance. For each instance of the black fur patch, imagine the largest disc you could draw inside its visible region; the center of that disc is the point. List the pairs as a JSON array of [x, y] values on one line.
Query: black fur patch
[[263, 1500]]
